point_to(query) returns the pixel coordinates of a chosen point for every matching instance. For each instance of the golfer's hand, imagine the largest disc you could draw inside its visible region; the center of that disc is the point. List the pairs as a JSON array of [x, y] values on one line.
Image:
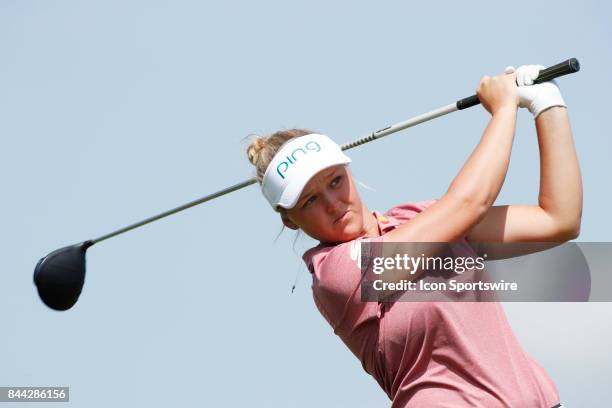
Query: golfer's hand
[[539, 97], [498, 92]]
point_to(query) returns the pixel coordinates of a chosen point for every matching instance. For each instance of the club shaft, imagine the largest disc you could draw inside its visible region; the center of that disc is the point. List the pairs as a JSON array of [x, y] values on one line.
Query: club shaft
[[175, 210], [563, 68], [373, 136], [436, 113]]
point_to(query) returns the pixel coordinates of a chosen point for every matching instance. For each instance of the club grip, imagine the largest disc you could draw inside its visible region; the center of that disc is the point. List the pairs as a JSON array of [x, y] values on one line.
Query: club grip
[[568, 66], [468, 102], [563, 68]]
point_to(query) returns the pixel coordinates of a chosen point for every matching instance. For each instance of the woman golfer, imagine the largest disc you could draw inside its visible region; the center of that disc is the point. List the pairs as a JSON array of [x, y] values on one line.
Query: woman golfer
[[431, 354]]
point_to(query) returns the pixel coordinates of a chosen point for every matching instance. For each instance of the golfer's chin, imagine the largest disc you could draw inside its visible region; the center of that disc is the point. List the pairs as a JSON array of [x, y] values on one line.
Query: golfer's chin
[[345, 231]]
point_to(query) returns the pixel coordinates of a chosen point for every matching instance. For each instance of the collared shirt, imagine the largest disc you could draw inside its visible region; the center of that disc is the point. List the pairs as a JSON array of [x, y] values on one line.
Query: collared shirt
[[425, 354]]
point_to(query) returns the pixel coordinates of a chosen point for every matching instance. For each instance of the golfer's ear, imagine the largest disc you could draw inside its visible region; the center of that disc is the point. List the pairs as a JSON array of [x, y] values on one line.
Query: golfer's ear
[[288, 223]]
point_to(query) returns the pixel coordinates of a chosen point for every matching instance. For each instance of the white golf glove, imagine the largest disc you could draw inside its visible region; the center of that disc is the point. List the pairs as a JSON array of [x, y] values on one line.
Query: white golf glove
[[539, 97]]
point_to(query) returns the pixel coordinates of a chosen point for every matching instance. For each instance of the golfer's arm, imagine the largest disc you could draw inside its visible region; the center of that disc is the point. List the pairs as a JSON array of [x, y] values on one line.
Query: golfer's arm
[[469, 196], [560, 180], [473, 190], [557, 216]]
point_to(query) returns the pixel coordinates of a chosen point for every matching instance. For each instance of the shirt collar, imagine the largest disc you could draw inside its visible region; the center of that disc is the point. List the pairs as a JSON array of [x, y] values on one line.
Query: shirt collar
[[385, 224]]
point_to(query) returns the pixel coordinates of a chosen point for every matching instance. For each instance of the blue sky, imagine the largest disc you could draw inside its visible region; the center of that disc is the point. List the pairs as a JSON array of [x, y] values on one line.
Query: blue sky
[[114, 111]]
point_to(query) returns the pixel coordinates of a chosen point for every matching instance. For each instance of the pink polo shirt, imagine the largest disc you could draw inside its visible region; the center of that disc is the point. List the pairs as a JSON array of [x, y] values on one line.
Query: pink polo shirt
[[426, 354]]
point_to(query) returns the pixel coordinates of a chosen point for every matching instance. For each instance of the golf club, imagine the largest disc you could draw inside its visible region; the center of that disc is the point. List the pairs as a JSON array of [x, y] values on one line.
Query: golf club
[[60, 275]]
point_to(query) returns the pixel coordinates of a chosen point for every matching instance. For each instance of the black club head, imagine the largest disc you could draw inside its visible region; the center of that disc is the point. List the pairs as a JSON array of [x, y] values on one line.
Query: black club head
[[60, 275]]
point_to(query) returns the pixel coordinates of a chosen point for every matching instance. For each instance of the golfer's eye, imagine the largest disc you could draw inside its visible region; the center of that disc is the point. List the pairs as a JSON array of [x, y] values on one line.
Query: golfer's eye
[[310, 200], [336, 181]]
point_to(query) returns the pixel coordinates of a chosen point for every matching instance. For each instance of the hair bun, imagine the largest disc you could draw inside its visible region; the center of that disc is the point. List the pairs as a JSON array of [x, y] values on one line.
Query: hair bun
[[255, 148], [262, 149]]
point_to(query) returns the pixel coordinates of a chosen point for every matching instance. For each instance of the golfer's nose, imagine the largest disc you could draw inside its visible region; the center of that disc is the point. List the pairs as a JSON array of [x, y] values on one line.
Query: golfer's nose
[[331, 203]]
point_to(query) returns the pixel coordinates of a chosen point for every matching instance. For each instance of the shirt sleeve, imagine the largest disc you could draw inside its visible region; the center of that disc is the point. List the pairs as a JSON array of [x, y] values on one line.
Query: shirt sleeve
[[407, 211]]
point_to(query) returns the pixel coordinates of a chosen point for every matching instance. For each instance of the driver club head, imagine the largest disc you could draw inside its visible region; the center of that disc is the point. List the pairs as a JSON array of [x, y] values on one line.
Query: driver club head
[[59, 276]]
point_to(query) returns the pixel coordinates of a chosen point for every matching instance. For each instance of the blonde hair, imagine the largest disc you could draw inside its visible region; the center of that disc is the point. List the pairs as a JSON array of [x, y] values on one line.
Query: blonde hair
[[262, 149]]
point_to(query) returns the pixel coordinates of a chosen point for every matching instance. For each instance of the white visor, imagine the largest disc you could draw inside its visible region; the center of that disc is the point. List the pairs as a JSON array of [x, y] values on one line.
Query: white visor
[[295, 164]]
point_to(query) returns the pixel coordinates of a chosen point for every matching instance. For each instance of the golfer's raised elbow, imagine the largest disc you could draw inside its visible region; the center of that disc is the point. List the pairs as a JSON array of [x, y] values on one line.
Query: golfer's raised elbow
[[569, 228], [567, 218]]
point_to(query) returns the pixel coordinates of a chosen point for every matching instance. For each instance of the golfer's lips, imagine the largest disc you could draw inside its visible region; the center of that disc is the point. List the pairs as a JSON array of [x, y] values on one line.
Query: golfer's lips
[[341, 215]]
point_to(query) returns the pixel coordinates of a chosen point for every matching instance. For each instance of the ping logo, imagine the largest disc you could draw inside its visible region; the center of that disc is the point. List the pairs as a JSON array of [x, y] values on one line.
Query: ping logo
[[283, 166]]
